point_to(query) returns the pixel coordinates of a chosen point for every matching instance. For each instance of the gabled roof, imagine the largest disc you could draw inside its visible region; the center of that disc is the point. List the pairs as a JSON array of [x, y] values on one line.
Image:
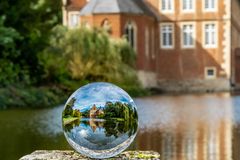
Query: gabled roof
[[117, 6]]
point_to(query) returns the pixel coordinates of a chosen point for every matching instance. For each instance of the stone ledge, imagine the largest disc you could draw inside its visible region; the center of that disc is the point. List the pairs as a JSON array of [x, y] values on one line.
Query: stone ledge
[[71, 155]]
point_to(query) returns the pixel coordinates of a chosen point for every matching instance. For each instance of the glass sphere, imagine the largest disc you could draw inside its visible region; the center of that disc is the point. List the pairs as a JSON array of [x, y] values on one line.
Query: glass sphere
[[100, 120]]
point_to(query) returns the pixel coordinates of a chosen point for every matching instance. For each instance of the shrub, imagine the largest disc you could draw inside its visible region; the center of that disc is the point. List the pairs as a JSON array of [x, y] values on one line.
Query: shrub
[[83, 55], [31, 97]]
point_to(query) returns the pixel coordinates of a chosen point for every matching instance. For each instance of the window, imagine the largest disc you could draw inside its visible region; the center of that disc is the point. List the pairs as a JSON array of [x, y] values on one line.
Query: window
[[131, 34], [167, 36], [210, 35], [107, 26], [210, 72], [167, 5], [188, 35], [188, 5], [74, 20], [210, 5]]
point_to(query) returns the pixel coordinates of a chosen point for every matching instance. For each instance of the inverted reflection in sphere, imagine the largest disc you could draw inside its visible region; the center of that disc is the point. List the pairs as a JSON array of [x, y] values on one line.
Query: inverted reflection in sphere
[[100, 120]]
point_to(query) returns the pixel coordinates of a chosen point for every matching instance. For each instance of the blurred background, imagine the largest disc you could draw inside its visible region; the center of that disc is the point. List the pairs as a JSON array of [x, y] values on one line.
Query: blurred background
[[42, 62]]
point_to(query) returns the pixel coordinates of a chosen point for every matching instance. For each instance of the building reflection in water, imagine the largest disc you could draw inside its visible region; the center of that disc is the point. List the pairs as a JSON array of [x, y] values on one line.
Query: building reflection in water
[[189, 131], [95, 124]]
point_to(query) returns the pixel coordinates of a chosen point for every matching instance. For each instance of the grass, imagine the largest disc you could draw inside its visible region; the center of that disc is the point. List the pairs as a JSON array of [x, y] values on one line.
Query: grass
[[117, 119], [69, 120]]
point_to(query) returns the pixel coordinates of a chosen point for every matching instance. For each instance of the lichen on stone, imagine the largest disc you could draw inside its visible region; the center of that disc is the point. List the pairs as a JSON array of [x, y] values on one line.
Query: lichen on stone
[[71, 155]]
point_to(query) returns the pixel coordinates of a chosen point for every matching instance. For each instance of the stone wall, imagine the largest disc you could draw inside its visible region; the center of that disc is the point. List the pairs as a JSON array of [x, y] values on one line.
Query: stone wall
[[148, 79], [71, 155], [211, 85]]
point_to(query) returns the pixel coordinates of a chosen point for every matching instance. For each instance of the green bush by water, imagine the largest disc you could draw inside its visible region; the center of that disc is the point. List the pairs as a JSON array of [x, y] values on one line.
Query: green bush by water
[[71, 59], [21, 97], [88, 55]]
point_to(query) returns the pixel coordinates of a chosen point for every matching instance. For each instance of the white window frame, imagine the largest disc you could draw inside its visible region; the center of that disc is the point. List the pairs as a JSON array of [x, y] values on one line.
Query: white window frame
[[167, 10], [188, 10], [193, 36], [216, 35], [214, 76], [210, 9], [70, 14], [173, 36], [131, 24]]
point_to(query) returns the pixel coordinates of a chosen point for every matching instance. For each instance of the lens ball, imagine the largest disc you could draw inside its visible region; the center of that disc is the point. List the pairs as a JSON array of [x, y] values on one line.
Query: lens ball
[[100, 120]]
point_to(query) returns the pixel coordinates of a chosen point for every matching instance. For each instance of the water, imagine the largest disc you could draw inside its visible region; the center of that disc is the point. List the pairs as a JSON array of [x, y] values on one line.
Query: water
[[184, 127]]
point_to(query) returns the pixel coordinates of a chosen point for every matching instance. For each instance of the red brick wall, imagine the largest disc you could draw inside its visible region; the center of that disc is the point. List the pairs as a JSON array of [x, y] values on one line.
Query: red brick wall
[[75, 4], [185, 64], [177, 63], [197, 15], [143, 62], [97, 20], [118, 22]]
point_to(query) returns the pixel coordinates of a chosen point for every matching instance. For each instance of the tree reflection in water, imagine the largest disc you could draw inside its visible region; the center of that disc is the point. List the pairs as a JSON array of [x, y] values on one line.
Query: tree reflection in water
[[100, 120], [100, 126], [113, 118], [109, 127]]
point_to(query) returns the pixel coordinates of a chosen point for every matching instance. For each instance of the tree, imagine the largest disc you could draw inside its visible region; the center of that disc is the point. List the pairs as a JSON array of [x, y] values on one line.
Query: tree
[[9, 73], [32, 20], [68, 110], [88, 54]]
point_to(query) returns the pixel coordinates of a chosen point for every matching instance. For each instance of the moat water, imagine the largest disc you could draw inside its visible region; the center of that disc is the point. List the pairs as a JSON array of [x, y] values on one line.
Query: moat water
[[179, 127]]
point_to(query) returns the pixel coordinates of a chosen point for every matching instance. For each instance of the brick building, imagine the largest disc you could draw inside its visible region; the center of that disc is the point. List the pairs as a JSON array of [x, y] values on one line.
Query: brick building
[[180, 44]]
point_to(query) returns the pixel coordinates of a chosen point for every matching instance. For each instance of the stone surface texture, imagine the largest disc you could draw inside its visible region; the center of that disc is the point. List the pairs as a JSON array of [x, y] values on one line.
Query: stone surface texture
[[71, 155]]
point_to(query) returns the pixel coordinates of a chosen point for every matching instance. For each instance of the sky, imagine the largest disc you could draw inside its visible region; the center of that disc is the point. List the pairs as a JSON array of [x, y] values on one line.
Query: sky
[[99, 93]]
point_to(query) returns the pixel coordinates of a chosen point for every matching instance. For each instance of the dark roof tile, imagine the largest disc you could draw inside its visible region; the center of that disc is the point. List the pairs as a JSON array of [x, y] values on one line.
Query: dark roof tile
[[117, 6]]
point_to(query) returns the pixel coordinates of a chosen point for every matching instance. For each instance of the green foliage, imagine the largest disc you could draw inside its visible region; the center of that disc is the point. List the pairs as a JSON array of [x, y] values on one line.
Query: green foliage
[[8, 38], [76, 113], [84, 55], [24, 30], [34, 51], [127, 53], [52, 59], [31, 97], [9, 73], [119, 110], [85, 113], [68, 110]]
